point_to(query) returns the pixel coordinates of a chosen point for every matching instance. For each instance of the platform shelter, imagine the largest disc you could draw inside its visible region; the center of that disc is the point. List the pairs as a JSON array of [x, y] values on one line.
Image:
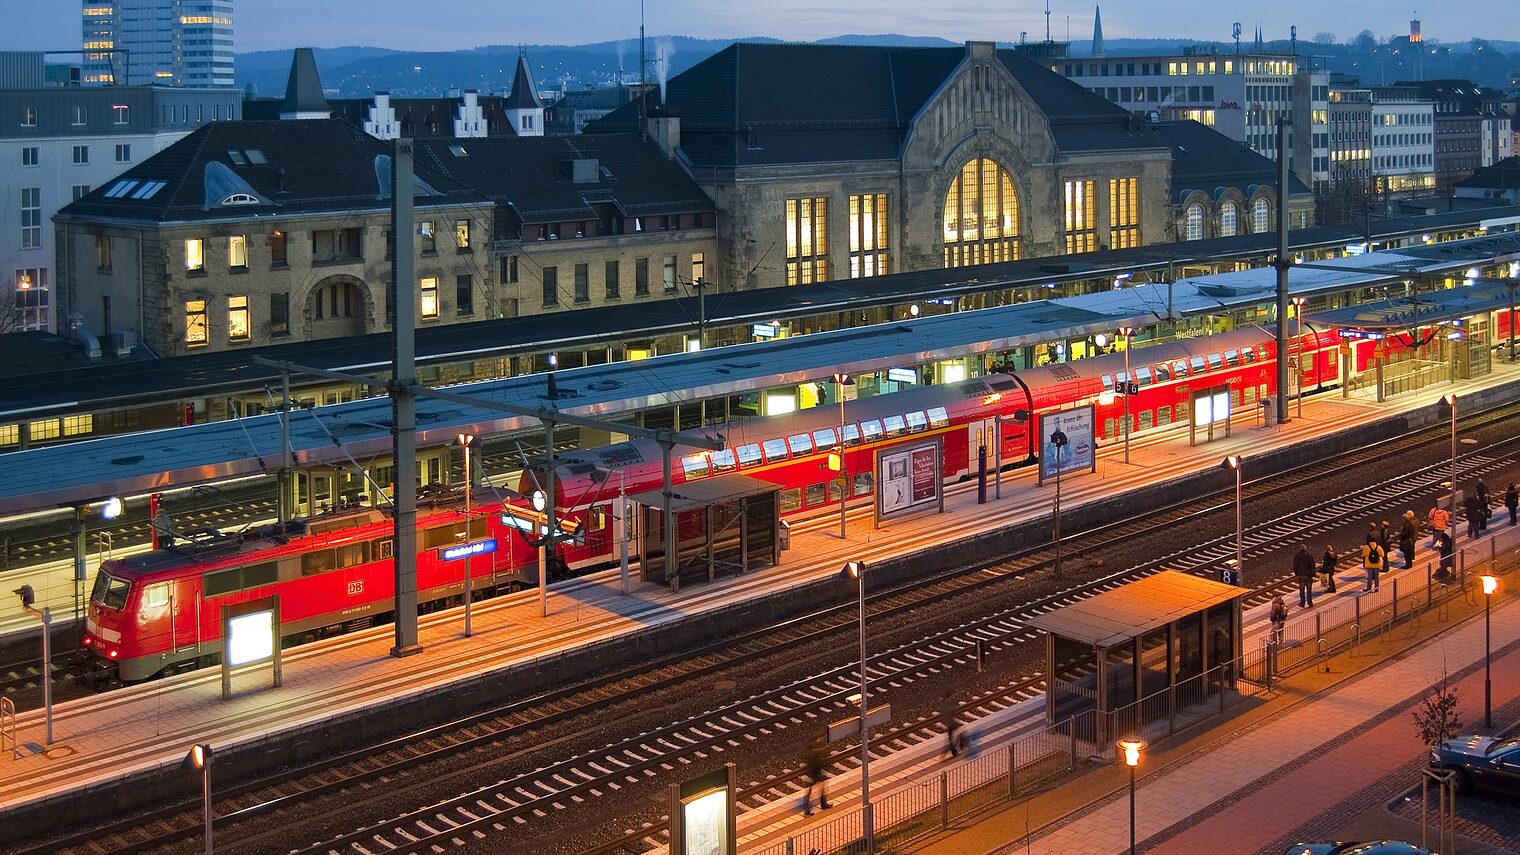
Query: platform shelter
[[1166, 638], [723, 525]]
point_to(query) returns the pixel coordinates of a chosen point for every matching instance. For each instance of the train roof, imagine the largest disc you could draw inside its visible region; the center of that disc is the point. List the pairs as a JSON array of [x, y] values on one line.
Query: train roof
[[134, 463]]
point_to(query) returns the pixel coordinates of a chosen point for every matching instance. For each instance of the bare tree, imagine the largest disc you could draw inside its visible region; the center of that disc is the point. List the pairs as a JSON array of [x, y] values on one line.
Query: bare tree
[[1436, 717], [10, 311], [1324, 38]]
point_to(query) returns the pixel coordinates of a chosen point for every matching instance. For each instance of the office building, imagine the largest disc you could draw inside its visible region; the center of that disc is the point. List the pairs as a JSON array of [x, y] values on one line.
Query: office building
[[158, 42], [1403, 143]]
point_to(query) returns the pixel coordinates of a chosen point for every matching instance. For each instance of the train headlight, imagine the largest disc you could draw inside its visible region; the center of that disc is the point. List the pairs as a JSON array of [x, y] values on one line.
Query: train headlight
[[540, 501]]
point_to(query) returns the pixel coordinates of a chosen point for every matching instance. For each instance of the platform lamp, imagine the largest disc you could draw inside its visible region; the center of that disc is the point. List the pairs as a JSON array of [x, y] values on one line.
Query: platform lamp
[[1129, 337], [109, 508], [467, 442], [842, 380], [1450, 401], [45, 614], [1059, 440], [1133, 749], [1298, 315], [856, 570], [1490, 587], [1234, 462], [199, 759]]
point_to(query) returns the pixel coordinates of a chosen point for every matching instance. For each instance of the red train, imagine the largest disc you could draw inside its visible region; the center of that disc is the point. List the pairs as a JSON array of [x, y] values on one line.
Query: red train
[[159, 611]]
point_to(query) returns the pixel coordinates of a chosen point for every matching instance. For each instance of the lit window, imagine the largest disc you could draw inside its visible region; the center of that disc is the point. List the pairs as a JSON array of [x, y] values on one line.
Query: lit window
[[78, 425], [237, 251], [1194, 222], [1123, 212], [868, 236], [981, 216], [698, 267], [1228, 220], [103, 253], [237, 318], [807, 240], [195, 254], [195, 322], [462, 233], [28, 117], [428, 230], [429, 297], [1081, 217], [120, 112]]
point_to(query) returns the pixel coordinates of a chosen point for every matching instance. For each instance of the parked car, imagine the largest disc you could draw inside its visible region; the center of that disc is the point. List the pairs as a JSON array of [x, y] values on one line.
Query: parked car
[[1365, 847], [1483, 761]]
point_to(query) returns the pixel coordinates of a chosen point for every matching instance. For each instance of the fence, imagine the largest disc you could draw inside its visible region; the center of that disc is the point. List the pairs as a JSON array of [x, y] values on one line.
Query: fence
[[1002, 774], [8, 727], [1410, 375]]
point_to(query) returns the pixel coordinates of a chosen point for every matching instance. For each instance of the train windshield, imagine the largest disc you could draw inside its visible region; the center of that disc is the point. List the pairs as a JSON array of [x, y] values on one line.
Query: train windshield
[[110, 592]]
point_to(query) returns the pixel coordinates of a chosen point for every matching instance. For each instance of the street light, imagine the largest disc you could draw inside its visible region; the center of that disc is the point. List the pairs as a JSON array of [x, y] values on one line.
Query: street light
[[1450, 400], [199, 759], [28, 597], [466, 441], [857, 570], [1128, 333], [1234, 462], [842, 380], [1058, 439], [1132, 749], [1490, 585], [1298, 314]]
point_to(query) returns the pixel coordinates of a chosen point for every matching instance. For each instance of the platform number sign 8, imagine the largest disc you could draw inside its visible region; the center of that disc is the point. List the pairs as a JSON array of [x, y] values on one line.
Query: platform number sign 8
[[1229, 576]]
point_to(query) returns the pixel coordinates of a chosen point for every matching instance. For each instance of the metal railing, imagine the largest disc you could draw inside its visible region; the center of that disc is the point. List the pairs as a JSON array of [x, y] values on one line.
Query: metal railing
[[8, 727]]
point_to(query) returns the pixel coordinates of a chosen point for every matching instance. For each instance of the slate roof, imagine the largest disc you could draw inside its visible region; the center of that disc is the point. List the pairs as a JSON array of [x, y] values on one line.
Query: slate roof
[[533, 175], [1205, 160], [1504, 175], [524, 96], [427, 117], [303, 89], [289, 167], [758, 104]]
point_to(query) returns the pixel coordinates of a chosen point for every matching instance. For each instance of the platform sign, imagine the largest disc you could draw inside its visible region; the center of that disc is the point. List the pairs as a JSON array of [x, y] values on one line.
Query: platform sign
[[1079, 454], [467, 550], [703, 816], [250, 635], [909, 479]]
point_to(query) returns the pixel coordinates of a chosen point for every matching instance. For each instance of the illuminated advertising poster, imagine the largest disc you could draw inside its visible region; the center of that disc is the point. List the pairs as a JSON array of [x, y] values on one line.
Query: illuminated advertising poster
[[1079, 455], [908, 479], [705, 828], [251, 639]]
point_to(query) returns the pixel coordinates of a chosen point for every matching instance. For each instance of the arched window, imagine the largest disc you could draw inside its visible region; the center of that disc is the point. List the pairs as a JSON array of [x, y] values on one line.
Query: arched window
[[1228, 220], [1260, 214], [338, 300], [1194, 222], [981, 215]]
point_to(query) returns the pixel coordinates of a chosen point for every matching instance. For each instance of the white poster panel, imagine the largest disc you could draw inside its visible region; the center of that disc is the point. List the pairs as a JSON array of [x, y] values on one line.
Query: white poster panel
[[1079, 455], [908, 479], [706, 824], [251, 639]]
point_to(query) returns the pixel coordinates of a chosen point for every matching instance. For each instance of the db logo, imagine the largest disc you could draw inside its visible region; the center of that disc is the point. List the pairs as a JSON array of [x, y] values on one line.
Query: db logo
[[355, 587]]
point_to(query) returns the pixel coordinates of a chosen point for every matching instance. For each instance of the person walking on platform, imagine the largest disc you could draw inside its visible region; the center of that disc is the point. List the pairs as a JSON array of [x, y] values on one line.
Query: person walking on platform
[[1439, 519], [1474, 508], [1447, 546], [953, 736], [813, 759], [1279, 618], [1409, 532], [1327, 568], [1373, 559], [1481, 489], [1511, 501], [1303, 572]]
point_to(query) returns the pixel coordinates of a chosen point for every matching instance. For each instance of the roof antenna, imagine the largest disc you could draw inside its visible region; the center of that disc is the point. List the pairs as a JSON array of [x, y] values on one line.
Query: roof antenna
[[643, 79], [1236, 28], [1047, 20]]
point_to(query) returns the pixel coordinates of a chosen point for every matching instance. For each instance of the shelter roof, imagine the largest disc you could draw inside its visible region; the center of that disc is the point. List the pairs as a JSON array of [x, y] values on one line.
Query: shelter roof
[[1118, 615]]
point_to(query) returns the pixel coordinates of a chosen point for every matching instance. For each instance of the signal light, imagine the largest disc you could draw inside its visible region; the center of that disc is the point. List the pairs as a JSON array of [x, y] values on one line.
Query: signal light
[[835, 462]]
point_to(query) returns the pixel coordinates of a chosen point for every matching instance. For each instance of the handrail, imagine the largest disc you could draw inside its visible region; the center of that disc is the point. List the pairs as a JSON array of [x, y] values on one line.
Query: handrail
[[8, 727]]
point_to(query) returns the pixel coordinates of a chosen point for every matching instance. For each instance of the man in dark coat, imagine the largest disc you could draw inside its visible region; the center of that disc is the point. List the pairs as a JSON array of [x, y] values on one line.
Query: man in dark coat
[[814, 759], [1303, 572], [1474, 508], [1409, 532], [1481, 489], [1511, 501], [1327, 568]]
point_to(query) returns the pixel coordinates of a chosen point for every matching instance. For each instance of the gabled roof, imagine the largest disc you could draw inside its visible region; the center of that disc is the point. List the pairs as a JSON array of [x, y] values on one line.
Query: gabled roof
[[303, 90], [758, 104], [281, 167], [1504, 175], [1207, 161], [427, 117], [524, 96], [534, 175]]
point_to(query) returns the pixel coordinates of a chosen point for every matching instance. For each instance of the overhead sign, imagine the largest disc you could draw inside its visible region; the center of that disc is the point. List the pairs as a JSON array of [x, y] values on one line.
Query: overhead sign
[[1366, 335], [1079, 453], [466, 550], [902, 375], [909, 479], [764, 330]]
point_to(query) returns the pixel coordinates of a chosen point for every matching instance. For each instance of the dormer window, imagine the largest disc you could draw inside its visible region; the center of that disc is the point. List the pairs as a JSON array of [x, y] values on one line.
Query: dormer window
[[240, 199]]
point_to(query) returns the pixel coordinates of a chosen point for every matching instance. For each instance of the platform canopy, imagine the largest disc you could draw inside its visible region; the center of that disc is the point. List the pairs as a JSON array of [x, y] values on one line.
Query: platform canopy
[[1117, 616], [708, 491], [1477, 297]]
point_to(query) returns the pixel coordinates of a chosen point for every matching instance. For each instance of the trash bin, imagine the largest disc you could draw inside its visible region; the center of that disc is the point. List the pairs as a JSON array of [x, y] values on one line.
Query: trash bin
[[786, 536], [1269, 410]]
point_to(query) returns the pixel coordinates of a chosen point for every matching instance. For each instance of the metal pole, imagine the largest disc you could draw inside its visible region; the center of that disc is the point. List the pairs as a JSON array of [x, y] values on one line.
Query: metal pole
[[1488, 688], [865, 734], [668, 519], [47, 671], [1298, 369], [1512, 320], [80, 549], [1057, 514], [404, 403], [997, 456], [1128, 339], [546, 553], [1240, 542], [623, 540], [283, 506], [1453, 468], [1283, 263], [844, 478], [1132, 810], [206, 800], [468, 591]]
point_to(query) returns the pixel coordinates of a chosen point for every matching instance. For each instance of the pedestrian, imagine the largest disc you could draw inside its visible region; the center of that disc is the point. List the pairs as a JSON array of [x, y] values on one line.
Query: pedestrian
[[1279, 618], [1439, 519], [1372, 533], [814, 759], [1327, 568], [1511, 501], [1447, 546], [1385, 537], [1409, 532], [1373, 559], [1481, 489], [947, 711], [1303, 572], [1474, 508]]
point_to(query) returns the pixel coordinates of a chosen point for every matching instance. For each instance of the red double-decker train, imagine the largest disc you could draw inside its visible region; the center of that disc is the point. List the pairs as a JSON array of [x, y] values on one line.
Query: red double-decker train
[[160, 611]]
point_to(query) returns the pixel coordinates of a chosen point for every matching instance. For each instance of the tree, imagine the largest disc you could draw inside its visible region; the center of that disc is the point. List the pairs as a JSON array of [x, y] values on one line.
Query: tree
[[1365, 41], [1436, 717], [1324, 38], [10, 312]]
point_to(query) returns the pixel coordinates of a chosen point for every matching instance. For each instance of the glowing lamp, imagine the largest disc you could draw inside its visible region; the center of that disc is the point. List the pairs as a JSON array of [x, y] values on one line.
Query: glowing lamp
[[1132, 749], [1490, 584], [540, 501]]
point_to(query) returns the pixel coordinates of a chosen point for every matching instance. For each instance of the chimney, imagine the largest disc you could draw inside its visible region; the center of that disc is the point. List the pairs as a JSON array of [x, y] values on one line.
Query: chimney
[[664, 127]]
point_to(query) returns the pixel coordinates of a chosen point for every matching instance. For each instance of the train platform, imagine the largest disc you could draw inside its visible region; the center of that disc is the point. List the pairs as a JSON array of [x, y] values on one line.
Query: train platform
[[141, 730]]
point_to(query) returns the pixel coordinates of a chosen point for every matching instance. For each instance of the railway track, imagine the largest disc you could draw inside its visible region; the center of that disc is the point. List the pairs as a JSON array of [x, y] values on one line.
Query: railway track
[[570, 782]]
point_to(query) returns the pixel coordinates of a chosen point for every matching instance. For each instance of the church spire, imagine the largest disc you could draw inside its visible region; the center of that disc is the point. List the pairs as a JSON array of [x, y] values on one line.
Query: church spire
[[1097, 46]]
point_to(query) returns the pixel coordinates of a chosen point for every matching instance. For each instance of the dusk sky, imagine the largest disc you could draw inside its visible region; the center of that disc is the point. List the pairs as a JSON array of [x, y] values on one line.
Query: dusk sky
[[454, 24]]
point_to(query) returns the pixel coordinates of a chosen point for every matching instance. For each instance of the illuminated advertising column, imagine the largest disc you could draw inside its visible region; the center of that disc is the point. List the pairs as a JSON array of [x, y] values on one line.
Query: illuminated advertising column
[[702, 815]]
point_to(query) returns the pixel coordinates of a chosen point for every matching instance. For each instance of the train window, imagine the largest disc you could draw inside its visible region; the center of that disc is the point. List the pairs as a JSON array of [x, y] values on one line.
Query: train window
[[1247, 355], [1164, 415], [1108, 382], [1215, 363], [222, 582], [353, 554], [851, 435], [380, 549], [791, 500], [1196, 365], [1108, 427], [917, 423], [723, 461], [871, 430], [894, 425], [1147, 419], [938, 417], [1235, 397], [1163, 373], [694, 466], [156, 595], [1232, 358], [1250, 394], [1122, 377], [320, 561], [825, 438], [862, 483], [257, 575], [749, 455], [1144, 376], [817, 494], [775, 449], [835, 488], [1179, 369], [1182, 411], [443, 535], [800, 443]]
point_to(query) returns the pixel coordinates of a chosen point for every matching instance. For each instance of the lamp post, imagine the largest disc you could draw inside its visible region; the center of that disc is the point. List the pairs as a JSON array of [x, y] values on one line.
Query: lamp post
[[1490, 585], [857, 570], [1298, 314], [1058, 439], [109, 508], [466, 441], [28, 597], [1234, 462], [842, 380], [199, 759], [1128, 333], [1450, 400], [1132, 749]]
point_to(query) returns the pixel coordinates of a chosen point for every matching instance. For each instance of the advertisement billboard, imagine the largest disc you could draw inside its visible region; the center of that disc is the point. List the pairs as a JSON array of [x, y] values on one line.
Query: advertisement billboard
[[1080, 454], [909, 479]]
